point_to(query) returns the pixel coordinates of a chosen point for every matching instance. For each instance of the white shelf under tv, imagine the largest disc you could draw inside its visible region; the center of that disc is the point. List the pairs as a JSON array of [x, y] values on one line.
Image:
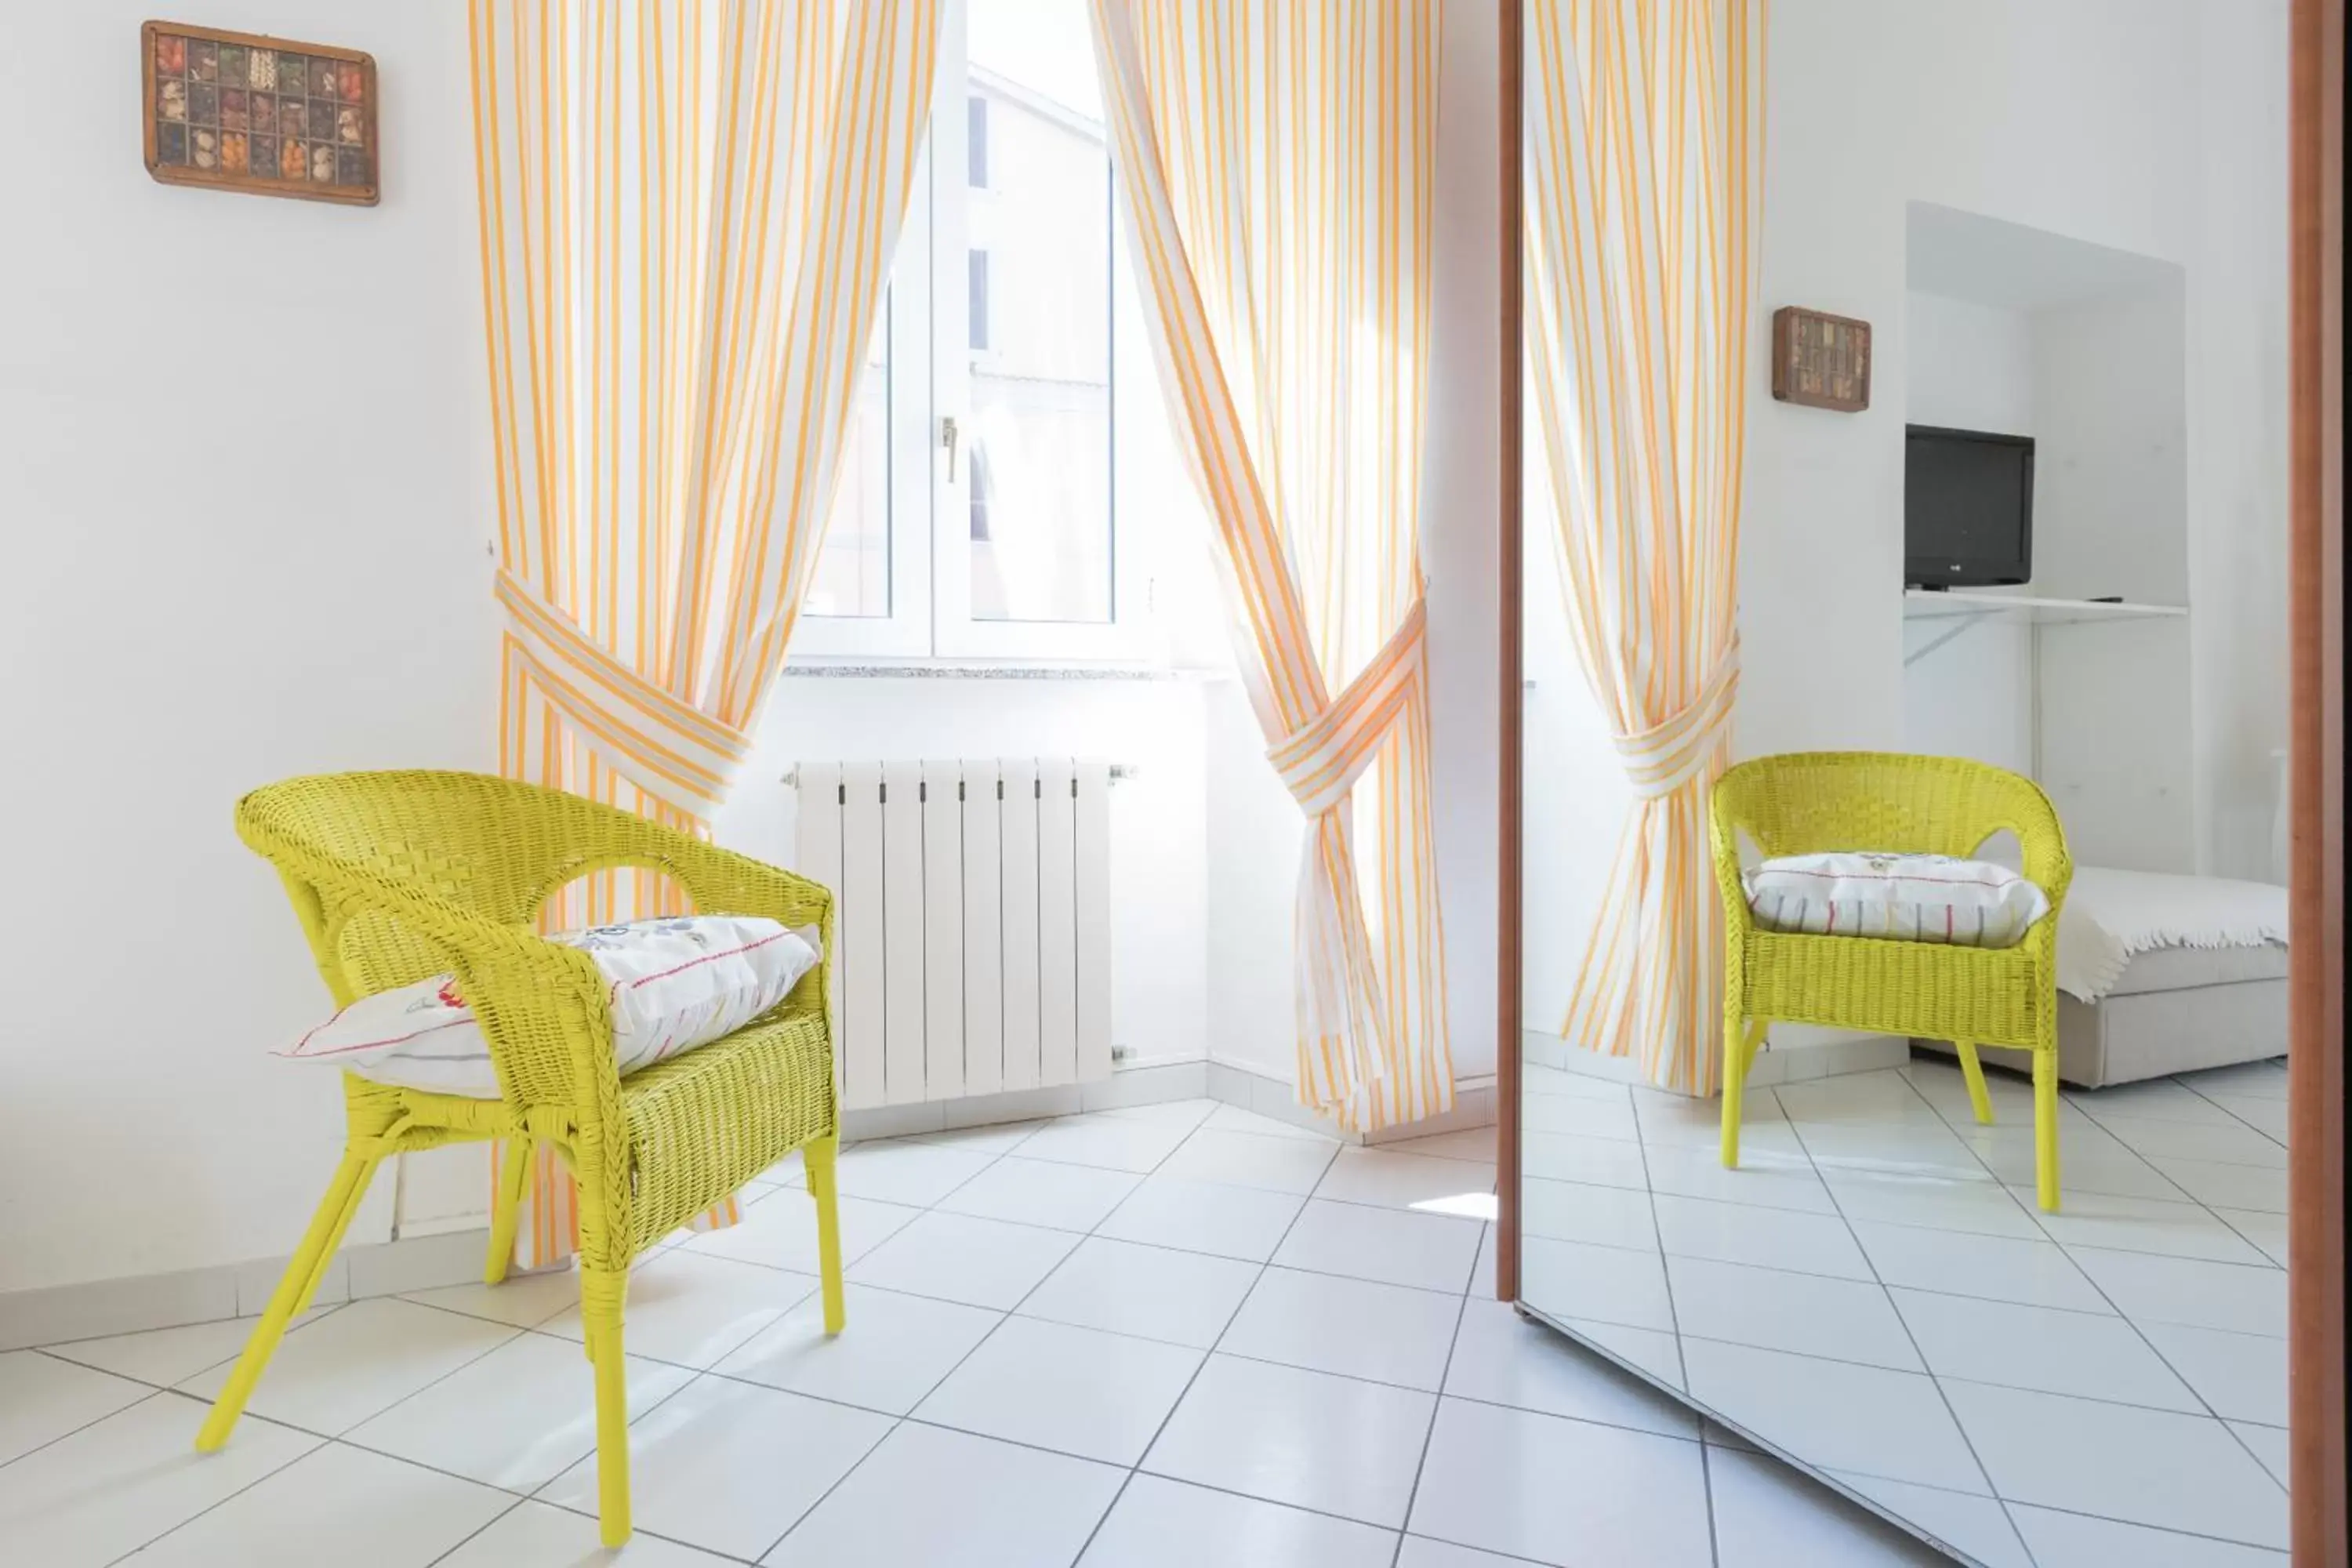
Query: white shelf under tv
[[1972, 603]]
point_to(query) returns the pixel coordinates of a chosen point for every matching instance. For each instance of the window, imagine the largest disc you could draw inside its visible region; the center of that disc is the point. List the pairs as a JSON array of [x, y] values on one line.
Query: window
[[975, 517], [977, 307]]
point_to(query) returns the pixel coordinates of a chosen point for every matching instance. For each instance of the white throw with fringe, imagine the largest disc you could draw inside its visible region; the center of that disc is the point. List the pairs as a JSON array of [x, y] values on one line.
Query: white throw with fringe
[[2110, 915]]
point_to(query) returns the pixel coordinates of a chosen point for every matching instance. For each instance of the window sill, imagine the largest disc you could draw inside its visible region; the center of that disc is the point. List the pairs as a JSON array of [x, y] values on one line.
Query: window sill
[[822, 668]]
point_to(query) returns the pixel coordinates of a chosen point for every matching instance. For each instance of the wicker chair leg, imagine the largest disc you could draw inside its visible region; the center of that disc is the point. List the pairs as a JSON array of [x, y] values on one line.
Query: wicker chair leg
[[513, 1177], [295, 1288], [603, 1293], [1973, 1070], [1735, 1080], [2045, 1128], [817, 1158]]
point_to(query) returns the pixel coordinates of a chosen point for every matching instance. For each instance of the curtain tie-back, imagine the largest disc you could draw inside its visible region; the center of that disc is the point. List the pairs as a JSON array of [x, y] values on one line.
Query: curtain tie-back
[[1662, 759], [1320, 760], [656, 739]]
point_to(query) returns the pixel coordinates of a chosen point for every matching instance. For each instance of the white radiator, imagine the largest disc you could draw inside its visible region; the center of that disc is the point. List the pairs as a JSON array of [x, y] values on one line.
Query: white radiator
[[973, 923]]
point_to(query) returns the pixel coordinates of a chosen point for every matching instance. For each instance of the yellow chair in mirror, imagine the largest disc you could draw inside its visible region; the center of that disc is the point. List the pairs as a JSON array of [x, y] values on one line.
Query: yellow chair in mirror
[[400, 875], [1810, 802]]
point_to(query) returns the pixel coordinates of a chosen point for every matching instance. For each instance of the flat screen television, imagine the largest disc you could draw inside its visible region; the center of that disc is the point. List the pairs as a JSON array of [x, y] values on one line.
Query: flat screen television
[[1968, 508]]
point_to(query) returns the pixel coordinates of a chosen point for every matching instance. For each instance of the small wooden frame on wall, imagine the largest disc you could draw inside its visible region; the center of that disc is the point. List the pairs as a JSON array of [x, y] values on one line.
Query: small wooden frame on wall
[[1821, 361], [240, 111]]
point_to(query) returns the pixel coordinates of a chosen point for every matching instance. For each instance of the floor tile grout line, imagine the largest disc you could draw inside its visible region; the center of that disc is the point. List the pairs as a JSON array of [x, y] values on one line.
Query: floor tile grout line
[[1263, 1267], [2249, 1241], [1314, 1194], [1004, 1316], [2181, 1080], [1822, 1172], [1405, 1535], [515, 1332], [1925, 1365], [52, 1442], [2133, 1325], [737, 1378], [1209, 1355], [2044, 1240], [542, 1330], [1674, 1322], [1922, 1289], [52, 1353], [1907, 1372], [223, 1501], [1437, 1407], [1183, 1394], [484, 1528], [53, 1347], [1948, 1117], [2127, 1318], [2142, 1524], [1706, 1491], [1912, 1340], [2194, 1392]]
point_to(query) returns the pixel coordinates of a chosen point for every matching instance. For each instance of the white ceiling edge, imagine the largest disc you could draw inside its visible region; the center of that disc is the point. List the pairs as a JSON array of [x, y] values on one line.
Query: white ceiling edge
[[1968, 255]]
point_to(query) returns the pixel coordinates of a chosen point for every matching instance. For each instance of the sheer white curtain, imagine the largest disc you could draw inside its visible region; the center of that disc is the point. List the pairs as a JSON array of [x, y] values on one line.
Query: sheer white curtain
[[1278, 163], [1644, 134]]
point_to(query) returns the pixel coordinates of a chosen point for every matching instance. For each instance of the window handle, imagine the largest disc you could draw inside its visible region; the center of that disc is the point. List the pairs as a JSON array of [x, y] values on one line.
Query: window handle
[[948, 439]]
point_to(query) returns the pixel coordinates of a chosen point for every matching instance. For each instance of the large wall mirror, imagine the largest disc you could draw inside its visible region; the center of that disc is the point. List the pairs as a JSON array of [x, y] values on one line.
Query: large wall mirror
[[1997, 574]]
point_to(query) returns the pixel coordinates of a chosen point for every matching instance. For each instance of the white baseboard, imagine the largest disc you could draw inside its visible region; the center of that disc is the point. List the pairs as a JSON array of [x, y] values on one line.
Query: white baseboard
[[1142, 1085], [1268, 1095], [140, 1302], [1792, 1053]]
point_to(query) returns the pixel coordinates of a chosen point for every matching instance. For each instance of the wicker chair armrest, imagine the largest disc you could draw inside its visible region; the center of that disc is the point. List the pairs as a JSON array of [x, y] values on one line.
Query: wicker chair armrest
[[536, 998], [1723, 836], [2048, 865], [2041, 839], [722, 881]]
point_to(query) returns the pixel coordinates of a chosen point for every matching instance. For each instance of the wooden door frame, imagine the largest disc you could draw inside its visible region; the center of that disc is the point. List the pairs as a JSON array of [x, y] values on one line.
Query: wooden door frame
[[2315, 1207], [2319, 1456], [1510, 554]]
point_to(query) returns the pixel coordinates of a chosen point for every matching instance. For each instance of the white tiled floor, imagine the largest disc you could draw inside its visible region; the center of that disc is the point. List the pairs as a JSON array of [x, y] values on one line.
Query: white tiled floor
[[1875, 1291], [1176, 1336]]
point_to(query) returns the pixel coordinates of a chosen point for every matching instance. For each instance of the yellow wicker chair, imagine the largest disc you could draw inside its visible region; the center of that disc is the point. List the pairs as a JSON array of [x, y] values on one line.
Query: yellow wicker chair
[[398, 876], [1808, 803]]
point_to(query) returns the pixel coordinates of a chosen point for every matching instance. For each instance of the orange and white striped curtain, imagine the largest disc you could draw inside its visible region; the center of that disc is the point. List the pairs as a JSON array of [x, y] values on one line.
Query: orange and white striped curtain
[[1645, 139], [1278, 162], [689, 209]]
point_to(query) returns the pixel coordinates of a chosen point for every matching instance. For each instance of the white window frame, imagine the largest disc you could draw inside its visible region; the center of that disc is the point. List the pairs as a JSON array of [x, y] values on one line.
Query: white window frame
[[927, 319]]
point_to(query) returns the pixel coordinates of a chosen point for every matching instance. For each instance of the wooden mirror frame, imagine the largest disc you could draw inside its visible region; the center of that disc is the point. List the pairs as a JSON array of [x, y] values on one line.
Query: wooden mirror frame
[[2315, 1083], [2315, 1350]]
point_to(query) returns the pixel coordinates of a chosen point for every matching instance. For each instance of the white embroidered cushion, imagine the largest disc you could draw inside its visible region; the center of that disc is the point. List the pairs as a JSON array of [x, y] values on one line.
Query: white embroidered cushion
[[676, 982], [1903, 898]]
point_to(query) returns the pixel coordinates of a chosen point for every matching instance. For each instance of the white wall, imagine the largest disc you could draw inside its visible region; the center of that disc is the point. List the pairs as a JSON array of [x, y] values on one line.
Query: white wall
[[2118, 727], [2152, 126], [1254, 829], [1969, 366], [2236, 253], [243, 462], [2111, 502], [2149, 125]]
